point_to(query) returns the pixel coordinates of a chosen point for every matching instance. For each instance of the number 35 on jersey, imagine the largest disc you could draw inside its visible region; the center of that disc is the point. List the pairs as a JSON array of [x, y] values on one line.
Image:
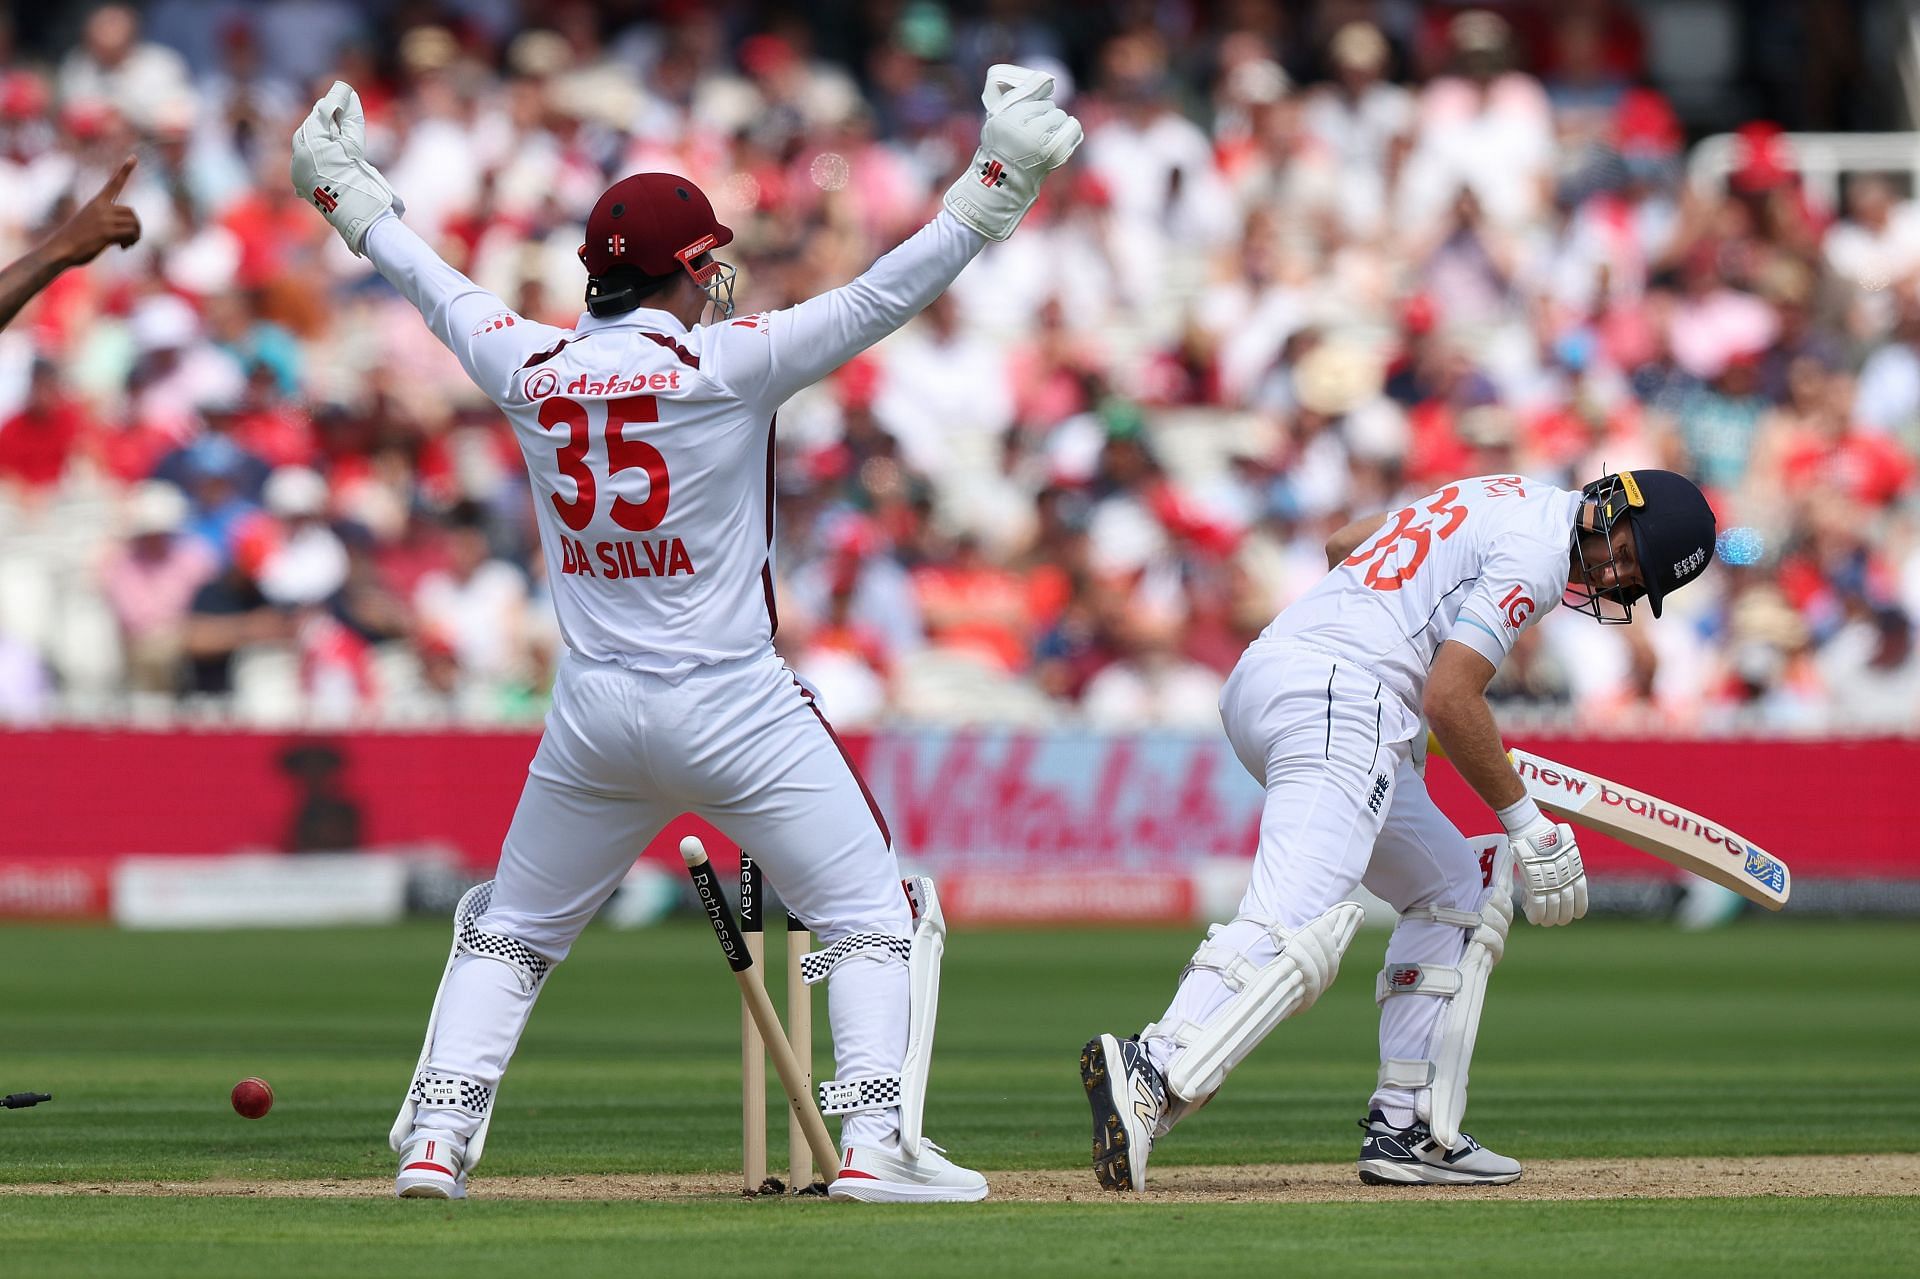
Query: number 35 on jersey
[[587, 468]]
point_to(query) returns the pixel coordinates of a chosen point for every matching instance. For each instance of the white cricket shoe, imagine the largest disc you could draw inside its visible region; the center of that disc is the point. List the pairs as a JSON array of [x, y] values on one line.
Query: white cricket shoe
[[431, 1167], [1129, 1101], [877, 1176], [1392, 1156]]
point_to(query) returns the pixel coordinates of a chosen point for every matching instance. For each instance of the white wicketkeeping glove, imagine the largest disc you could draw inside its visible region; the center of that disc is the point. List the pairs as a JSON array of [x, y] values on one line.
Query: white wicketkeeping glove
[[330, 168], [1553, 882], [1025, 138]]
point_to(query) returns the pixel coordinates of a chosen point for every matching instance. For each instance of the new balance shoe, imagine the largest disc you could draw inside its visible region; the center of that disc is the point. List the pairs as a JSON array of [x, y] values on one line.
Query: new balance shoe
[[1410, 1156], [431, 1167], [1127, 1095], [873, 1175]]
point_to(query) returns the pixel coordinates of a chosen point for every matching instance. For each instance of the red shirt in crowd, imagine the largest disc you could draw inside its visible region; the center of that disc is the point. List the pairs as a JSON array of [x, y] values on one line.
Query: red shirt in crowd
[[36, 443], [131, 453], [1871, 469]]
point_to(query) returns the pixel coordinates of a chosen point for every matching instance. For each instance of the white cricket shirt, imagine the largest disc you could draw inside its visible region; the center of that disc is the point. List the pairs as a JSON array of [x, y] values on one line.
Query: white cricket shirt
[[1479, 561], [650, 445]]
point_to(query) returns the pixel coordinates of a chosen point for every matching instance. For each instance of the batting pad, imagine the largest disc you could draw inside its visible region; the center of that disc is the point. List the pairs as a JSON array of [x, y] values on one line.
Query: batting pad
[[1464, 988], [1263, 996]]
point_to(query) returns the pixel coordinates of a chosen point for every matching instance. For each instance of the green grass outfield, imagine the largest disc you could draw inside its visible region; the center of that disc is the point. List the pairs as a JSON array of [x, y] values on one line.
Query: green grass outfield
[[285, 1238], [1604, 1039]]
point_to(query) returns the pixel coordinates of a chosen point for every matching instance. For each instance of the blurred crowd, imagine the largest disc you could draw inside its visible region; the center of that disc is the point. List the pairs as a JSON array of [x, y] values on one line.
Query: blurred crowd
[[1297, 272]]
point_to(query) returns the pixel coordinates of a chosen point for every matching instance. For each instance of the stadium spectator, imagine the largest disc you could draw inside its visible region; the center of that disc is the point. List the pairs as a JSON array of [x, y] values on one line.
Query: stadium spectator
[[151, 581], [477, 605], [229, 616], [38, 442], [114, 66], [1299, 271]]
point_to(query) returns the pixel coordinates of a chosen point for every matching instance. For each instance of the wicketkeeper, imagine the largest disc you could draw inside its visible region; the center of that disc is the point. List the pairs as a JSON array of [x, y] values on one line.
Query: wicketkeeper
[[1326, 710], [649, 441]]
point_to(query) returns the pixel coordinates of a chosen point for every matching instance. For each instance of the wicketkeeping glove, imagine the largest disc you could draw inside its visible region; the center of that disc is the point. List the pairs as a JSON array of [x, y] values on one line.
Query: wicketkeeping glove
[[330, 168], [1025, 138], [1552, 879]]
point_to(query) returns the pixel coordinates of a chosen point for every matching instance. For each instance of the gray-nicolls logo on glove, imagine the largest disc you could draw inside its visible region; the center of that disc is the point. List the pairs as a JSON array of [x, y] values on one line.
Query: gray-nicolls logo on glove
[[1024, 138], [330, 167]]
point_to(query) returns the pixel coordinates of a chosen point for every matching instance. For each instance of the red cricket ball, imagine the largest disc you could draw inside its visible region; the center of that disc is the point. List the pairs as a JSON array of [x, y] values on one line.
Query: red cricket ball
[[252, 1097]]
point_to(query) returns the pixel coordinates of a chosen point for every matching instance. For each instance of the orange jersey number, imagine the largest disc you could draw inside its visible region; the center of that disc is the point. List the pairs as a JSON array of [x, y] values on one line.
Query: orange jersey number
[[1396, 553]]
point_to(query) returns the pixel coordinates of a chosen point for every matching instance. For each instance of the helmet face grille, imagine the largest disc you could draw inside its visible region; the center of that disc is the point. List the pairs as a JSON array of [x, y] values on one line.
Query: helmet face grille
[[718, 282], [1611, 501]]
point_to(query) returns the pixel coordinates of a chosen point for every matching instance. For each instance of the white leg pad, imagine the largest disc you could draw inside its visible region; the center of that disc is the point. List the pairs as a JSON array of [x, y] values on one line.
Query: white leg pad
[[923, 992], [908, 1089], [1263, 996], [1444, 1075], [430, 1088]]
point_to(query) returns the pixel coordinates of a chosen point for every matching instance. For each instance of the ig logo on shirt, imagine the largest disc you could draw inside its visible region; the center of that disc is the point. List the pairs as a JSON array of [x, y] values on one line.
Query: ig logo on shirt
[[1516, 608]]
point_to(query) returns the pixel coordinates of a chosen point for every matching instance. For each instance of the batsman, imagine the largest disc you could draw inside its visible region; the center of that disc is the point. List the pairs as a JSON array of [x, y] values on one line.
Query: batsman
[[1326, 709], [649, 442]]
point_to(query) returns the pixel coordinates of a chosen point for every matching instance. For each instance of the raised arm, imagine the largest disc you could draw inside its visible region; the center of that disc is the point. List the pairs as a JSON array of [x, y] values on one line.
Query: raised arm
[[798, 346], [490, 340], [1025, 137], [96, 224], [331, 171]]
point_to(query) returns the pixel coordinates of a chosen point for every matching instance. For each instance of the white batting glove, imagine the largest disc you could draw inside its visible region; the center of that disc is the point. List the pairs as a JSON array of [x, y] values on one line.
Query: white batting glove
[[330, 168], [1025, 138], [1552, 879]]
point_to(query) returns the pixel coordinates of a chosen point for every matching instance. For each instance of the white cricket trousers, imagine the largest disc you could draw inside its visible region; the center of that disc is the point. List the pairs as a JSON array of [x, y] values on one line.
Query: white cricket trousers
[[742, 745], [1345, 805]]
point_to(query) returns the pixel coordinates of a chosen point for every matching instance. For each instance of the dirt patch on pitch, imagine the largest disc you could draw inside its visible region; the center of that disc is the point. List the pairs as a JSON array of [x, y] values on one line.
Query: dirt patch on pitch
[[1558, 1179]]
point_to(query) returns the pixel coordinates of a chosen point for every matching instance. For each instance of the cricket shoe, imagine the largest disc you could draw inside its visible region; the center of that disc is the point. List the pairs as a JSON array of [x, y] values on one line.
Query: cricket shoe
[[431, 1167], [1127, 1094], [877, 1176], [1392, 1156]]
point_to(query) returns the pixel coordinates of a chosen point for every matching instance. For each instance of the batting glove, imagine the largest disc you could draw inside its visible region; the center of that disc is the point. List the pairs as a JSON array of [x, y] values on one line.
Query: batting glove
[[1025, 138], [1553, 881], [330, 167]]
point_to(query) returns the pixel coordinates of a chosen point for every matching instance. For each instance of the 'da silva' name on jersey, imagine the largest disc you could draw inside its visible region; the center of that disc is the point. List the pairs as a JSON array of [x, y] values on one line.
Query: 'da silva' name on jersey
[[665, 557]]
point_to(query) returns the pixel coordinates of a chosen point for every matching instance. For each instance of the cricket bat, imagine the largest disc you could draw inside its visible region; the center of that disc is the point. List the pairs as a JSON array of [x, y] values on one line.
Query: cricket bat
[[1652, 825]]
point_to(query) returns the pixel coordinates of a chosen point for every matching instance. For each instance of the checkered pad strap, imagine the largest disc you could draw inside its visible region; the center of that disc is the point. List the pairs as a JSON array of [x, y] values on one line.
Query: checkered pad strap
[[814, 967], [433, 1090], [476, 941], [873, 1092]]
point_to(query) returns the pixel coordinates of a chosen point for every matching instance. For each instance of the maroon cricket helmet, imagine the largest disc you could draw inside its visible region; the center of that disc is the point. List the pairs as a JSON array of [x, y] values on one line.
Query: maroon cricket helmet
[[653, 223]]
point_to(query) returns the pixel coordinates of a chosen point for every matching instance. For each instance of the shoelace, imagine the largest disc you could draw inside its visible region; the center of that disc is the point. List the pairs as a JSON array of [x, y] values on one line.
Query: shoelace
[[1419, 1133]]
